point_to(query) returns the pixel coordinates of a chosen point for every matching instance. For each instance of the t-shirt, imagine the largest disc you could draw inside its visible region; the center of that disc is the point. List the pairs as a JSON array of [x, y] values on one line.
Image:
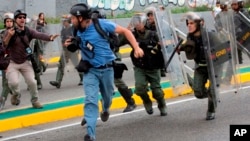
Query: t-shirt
[[94, 48], [216, 11]]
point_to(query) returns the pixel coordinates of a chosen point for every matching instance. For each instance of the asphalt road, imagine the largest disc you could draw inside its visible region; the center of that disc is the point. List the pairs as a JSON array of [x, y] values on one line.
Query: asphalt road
[[185, 119]]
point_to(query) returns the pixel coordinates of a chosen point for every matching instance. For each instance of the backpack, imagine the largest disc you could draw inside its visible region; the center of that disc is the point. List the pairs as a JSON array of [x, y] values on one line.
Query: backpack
[[112, 37]]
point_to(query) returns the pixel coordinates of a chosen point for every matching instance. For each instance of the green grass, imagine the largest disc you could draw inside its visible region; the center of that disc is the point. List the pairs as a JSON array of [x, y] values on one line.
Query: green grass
[[180, 10], [56, 20]]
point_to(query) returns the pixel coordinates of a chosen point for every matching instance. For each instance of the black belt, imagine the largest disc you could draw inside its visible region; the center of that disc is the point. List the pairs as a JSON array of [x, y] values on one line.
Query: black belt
[[104, 66]]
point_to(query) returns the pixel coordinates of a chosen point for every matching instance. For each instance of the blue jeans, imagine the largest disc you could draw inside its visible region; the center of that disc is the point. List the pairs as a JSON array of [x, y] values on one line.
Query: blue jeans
[[94, 81]]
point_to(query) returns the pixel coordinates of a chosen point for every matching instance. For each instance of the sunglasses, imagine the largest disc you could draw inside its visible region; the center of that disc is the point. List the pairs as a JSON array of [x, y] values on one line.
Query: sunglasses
[[21, 17]]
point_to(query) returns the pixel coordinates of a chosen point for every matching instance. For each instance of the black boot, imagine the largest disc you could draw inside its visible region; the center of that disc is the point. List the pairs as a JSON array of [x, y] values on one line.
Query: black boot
[[55, 83], [240, 56], [80, 83], [127, 95]]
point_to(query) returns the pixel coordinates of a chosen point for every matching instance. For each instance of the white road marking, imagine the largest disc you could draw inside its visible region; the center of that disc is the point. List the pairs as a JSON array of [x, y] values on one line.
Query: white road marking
[[111, 116], [78, 123]]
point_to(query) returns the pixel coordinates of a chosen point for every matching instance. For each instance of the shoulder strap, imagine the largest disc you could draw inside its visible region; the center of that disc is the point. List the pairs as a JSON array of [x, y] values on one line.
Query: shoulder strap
[[27, 33], [99, 29]]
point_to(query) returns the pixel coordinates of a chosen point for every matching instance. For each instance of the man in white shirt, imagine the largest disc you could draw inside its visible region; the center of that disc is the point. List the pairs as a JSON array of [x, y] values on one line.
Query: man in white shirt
[[216, 9]]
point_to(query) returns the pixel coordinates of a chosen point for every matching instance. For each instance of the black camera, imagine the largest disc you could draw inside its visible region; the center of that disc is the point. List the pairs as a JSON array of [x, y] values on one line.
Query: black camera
[[32, 59], [75, 42]]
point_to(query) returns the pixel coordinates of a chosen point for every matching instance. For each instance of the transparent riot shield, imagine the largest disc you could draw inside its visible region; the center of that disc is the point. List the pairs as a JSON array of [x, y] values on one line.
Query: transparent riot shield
[[221, 54], [38, 48], [52, 50], [168, 40], [242, 29]]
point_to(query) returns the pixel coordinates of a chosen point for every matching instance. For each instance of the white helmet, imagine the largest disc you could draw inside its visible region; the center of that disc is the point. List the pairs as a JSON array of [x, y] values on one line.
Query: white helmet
[[191, 16], [137, 19]]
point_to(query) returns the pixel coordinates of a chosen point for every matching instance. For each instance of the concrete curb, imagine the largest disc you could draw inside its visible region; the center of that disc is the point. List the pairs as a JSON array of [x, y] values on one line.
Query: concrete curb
[[71, 108], [61, 110]]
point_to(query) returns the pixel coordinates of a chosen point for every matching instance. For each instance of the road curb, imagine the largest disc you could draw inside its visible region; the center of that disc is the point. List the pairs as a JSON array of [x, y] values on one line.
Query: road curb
[[61, 110], [72, 108]]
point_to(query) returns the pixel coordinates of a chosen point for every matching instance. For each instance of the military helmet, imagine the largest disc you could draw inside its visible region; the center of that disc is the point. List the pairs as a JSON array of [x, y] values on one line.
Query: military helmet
[[192, 16], [137, 19], [19, 12], [81, 9]]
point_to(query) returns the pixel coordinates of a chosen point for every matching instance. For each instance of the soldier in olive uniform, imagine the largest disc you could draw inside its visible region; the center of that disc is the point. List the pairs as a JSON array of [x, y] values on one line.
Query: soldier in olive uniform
[[147, 69], [193, 47], [66, 32], [8, 23], [150, 25]]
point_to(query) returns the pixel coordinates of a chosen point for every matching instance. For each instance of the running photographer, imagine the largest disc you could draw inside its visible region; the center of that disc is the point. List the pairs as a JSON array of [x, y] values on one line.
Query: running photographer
[[17, 41]]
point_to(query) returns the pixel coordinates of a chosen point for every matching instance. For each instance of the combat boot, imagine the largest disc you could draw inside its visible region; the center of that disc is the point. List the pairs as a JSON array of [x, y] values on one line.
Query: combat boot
[[127, 95], [15, 99], [162, 106], [55, 83]]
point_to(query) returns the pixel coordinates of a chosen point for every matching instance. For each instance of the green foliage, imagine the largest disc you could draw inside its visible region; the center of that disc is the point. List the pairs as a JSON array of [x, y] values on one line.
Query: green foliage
[[56, 20], [201, 8], [1, 25], [126, 14], [180, 10], [247, 4]]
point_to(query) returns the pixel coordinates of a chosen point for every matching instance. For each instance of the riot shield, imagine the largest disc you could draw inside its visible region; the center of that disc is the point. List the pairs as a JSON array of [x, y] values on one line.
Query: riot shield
[[242, 29], [168, 41], [38, 49], [221, 54]]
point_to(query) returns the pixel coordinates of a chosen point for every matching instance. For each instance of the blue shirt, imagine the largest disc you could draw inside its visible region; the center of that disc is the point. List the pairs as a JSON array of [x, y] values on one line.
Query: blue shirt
[[94, 47]]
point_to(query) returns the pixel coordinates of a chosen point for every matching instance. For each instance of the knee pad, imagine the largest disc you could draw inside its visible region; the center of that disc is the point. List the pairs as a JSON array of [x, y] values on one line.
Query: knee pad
[[157, 93]]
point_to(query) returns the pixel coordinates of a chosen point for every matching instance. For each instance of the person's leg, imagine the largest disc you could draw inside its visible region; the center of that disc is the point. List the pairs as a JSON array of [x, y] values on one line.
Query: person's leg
[[106, 87], [36, 55], [154, 79], [141, 89], [5, 90], [200, 80], [28, 73], [212, 103], [59, 74], [74, 58], [12, 75], [91, 90], [126, 93]]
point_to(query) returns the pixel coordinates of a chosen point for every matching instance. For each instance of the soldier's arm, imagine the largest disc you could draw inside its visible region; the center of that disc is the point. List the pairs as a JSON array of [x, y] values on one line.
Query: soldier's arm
[[138, 52]]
